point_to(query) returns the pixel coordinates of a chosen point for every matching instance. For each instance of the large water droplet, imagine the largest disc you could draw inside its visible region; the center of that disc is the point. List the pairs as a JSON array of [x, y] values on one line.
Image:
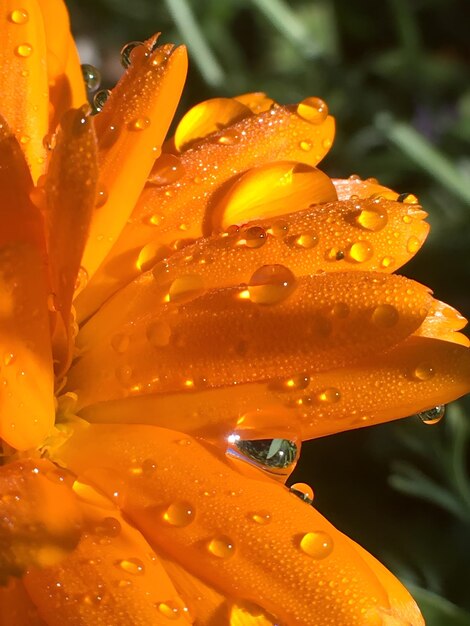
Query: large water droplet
[[423, 371], [261, 517], [313, 110], [166, 170], [120, 342], [24, 50], [361, 251], [91, 77], [179, 514], [222, 547], [372, 219], [108, 527], [253, 237], [302, 491], [158, 333], [19, 16], [139, 123], [132, 566], [186, 288], [126, 53], [413, 244], [100, 99], [432, 416], [385, 316], [170, 609], [317, 544], [271, 284], [330, 395], [268, 453]]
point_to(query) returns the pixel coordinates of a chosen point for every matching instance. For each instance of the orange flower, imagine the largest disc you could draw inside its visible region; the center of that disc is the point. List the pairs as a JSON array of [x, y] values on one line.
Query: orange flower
[[229, 300]]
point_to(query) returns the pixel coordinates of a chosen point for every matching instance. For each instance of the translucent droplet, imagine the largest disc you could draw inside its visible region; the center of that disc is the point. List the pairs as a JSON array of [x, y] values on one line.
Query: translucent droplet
[[8, 359], [19, 16], [222, 547], [100, 99], [318, 544], [166, 170], [254, 237], [313, 110], [170, 609], [24, 139], [306, 145], [385, 316], [108, 527], [186, 288], [91, 77], [330, 395], [158, 334], [179, 514], [413, 244], [101, 197], [387, 261], [150, 255], [271, 284], [149, 467], [126, 53], [279, 229], [120, 342], [423, 371], [24, 50], [306, 240], [327, 143], [408, 198], [229, 137], [302, 491], [262, 518], [432, 416], [361, 251], [269, 453], [340, 310], [293, 383], [372, 219], [140, 123]]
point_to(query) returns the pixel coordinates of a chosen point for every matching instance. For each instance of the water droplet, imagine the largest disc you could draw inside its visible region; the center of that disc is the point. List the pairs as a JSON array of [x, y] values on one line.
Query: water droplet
[[19, 16], [158, 334], [318, 544], [149, 466], [132, 566], [24, 50], [222, 547], [81, 281], [186, 288], [179, 514], [406, 219], [100, 99], [101, 197], [120, 343], [279, 229], [432, 416], [108, 527], [166, 170], [126, 53], [361, 251], [423, 371], [408, 198], [140, 123], [413, 244], [327, 143], [306, 240], [271, 284], [253, 237], [313, 110], [8, 359], [229, 137], [293, 383], [91, 77], [303, 491], [387, 261], [305, 145], [169, 609], [385, 316], [24, 139], [150, 255], [372, 219], [262, 518], [330, 395], [268, 453], [340, 310]]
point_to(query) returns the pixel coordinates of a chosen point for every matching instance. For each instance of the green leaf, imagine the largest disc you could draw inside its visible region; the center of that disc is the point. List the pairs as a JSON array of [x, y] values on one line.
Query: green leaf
[[438, 611]]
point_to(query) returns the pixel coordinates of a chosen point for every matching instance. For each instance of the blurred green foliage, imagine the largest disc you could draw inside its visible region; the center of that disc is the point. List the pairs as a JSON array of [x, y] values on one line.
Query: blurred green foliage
[[396, 76]]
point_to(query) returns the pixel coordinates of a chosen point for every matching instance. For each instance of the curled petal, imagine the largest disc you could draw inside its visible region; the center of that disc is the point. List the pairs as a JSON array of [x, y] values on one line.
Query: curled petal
[[443, 322], [40, 522], [251, 539], [130, 130], [112, 577], [276, 327], [25, 89], [188, 185]]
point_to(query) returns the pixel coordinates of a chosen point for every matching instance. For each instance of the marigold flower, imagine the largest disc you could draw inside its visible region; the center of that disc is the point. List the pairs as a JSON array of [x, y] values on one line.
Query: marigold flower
[[176, 316]]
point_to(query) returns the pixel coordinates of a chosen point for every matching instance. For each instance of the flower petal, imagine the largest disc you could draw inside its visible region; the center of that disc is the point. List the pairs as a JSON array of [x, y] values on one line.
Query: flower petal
[[26, 400], [16, 607], [112, 577], [25, 91], [443, 322], [40, 521], [295, 565], [276, 328], [130, 130], [187, 188]]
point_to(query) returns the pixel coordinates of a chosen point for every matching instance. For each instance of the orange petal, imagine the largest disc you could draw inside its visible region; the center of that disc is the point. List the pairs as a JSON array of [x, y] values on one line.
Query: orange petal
[[275, 328], [112, 577], [16, 607], [257, 101], [442, 322], [66, 85], [130, 131], [25, 91], [356, 188], [27, 401], [70, 192], [252, 540], [40, 521], [178, 202]]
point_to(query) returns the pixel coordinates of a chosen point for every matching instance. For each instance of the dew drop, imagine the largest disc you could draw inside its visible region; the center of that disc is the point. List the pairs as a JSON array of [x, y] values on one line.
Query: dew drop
[[179, 514], [413, 244], [305, 145], [372, 219], [330, 395], [8, 359], [387, 261], [361, 251], [166, 170], [24, 50], [19, 16], [293, 383], [318, 544], [271, 284], [101, 197], [432, 416], [131, 566], [149, 467], [277, 454], [254, 237], [120, 343], [100, 99], [158, 334], [327, 143], [262, 518], [408, 198], [169, 609], [108, 527], [423, 371], [303, 491], [126, 53], [222, 547], [140, 123], [385, 316], [313, 110], [340, 310], [150, 255], [228, 138], [91, 77], [279, 229], [186, 288], [306, 240]]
